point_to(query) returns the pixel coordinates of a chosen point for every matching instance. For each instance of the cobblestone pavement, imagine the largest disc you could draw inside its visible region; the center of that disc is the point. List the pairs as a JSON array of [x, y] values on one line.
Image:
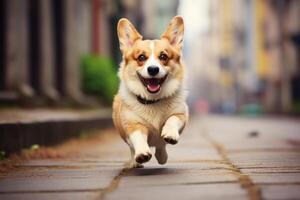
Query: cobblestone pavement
[[217, 158]]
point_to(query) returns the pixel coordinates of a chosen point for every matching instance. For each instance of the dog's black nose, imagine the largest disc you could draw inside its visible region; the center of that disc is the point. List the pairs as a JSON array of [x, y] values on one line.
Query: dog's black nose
[[153, 70]]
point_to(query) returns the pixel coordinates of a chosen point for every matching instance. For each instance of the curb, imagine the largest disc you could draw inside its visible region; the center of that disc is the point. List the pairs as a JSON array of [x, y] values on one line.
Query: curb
[[15, 136]]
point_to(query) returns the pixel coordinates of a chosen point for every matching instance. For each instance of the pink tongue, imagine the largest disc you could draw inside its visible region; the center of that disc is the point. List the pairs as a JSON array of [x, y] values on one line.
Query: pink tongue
[[153, 88]]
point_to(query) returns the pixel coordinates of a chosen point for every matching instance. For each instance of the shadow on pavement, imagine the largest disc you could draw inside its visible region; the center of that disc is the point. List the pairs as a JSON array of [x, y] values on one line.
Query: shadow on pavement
[[149, 171]]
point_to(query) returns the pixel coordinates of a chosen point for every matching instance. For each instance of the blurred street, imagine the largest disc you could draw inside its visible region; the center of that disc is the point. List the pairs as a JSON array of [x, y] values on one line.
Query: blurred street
[[59, 61], [218, 157]]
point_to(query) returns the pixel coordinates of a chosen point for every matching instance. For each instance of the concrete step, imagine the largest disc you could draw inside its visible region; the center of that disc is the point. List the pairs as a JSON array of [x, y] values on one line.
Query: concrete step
[[22, 128]]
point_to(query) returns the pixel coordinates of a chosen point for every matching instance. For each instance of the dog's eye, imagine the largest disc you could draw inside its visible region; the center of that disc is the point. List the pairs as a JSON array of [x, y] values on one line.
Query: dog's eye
[[142, 58], [163, 57]]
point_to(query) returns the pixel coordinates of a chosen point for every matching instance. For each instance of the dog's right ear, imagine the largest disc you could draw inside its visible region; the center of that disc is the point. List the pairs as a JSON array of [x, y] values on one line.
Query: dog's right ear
[[127, 34], [174, 32]]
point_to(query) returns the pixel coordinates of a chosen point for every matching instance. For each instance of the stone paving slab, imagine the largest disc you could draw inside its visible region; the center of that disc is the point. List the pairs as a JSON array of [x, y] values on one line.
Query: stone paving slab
[[275, 146], [198, 165], [79, 163], [174, 176], [279, 192], [265, 159], [65, 179], [270, 133], [276, 178], [191, 153], [265, 170], [252, 144], [189, 192], [51, 196]]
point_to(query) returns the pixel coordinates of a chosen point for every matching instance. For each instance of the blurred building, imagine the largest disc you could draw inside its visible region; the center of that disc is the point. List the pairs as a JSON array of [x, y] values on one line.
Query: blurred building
[[282, 54], [243, 54], [41, 45]]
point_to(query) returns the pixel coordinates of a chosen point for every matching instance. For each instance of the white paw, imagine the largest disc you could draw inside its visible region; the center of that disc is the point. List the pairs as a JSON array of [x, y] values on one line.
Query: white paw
[[170, 135], [142, 157]]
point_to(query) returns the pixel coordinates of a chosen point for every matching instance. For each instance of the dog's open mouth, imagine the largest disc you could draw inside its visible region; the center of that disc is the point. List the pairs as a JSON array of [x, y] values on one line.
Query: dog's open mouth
[[153, 85]]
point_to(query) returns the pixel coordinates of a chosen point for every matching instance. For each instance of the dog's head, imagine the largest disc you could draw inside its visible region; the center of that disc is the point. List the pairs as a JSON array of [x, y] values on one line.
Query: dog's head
[[152, 69]]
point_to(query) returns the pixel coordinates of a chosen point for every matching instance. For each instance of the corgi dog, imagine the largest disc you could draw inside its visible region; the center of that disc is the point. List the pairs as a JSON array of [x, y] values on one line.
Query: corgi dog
[[150, 109]]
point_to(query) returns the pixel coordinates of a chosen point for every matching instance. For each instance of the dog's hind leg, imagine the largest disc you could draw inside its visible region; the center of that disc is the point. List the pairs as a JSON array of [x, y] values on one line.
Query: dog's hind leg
[[161, 154]]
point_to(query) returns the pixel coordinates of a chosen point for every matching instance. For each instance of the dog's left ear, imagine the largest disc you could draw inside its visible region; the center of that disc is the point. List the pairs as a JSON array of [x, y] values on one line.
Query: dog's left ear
[[174, 32]]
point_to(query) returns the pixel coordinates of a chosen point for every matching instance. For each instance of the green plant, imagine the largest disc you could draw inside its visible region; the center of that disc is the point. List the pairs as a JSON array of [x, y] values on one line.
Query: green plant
[[99, 77], [2, 154], [34, 147], [295, 109]]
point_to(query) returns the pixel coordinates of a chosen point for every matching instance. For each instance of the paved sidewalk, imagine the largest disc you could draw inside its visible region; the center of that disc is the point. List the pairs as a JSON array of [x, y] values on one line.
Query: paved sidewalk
[[216, 158]]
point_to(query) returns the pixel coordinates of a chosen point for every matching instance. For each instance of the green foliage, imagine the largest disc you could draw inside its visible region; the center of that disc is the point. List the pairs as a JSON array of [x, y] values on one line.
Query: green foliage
[[296, 108], [2, 155], [34, 147], [99, 77], [83, 135]]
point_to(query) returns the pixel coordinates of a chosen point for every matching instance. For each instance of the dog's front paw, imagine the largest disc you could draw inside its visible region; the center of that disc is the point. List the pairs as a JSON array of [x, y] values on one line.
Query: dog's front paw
[[143, 157], [170, 136], [170, 140]]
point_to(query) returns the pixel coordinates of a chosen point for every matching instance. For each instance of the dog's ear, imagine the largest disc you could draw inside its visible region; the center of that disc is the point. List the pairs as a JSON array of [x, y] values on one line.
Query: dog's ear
[[174, 32], [127, 34]]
